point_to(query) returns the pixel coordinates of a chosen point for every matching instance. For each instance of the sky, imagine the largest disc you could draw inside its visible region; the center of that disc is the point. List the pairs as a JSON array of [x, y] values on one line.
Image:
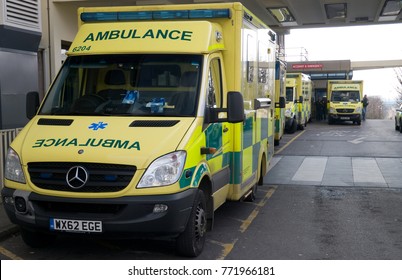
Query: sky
[[358, 43]]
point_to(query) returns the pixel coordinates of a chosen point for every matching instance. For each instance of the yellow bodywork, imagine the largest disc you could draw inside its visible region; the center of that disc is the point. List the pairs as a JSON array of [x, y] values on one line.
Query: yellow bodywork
[[146, 37], [299, 106], [345, 100], [243, 148]]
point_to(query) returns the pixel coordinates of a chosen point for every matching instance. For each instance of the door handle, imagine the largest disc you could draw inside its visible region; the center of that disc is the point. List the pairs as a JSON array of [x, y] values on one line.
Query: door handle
[[225, 129]]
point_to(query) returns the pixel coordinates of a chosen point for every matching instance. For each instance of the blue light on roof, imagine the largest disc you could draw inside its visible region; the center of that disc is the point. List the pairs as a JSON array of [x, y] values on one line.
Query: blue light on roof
[[154, 15], [223, 13], [183, 14], [90, 17], [125, 16]]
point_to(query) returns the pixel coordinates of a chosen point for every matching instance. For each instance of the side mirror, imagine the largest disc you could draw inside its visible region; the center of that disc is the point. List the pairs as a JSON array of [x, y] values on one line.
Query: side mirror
[[234, 111], [235, 107], [32, 104], [301, 99], [262, 103], [282, 102]]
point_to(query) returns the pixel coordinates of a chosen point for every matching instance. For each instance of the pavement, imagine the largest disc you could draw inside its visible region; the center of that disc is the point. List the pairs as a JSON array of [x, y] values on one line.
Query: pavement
[[6, 227], [339, 171]]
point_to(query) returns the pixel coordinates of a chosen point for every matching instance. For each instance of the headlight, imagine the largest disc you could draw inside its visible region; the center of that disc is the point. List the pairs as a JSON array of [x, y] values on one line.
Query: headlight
[[13, 169], [164, 171], [332, 110], [359, 110]]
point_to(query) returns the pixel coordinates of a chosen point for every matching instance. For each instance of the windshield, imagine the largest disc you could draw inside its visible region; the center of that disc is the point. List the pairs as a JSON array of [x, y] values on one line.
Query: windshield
[[346, 96], [134, 85]]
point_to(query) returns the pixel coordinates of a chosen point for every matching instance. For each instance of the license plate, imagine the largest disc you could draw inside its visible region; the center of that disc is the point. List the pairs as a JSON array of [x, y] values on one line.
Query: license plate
[[75, 225], [345, 118]]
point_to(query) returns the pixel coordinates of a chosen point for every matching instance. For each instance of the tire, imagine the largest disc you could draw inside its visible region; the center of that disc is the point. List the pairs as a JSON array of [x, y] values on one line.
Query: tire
[[190, 243], [293, 126], [400, 128], [396, 124], [36, 239]]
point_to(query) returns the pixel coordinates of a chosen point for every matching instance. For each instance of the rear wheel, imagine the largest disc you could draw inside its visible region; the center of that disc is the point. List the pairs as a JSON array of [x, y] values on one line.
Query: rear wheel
[[293, 126], [191, 242]]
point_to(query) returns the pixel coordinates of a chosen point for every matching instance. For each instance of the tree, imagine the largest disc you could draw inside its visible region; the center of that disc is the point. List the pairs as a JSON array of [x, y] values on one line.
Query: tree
[[376, 108]]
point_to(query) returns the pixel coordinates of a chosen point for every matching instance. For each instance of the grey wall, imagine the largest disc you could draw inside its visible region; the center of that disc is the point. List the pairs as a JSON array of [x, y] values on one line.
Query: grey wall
[[18, 75]]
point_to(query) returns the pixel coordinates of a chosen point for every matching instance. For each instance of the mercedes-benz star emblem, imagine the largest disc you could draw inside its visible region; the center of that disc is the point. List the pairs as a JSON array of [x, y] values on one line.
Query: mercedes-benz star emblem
[[76, 177]]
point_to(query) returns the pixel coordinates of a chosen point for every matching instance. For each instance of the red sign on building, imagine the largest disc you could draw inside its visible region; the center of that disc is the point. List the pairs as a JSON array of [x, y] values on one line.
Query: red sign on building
[[306, 66]]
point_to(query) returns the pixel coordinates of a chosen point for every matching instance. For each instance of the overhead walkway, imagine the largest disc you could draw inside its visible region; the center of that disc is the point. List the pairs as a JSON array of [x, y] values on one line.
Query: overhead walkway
[[321, 71], [376, 64]]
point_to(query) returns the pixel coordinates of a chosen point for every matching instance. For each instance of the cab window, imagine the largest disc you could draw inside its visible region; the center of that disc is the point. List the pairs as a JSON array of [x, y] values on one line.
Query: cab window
[[214, 89]]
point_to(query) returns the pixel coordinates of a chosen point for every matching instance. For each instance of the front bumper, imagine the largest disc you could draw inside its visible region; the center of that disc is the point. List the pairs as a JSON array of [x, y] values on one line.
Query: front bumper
[[345, 117], [121, 217]]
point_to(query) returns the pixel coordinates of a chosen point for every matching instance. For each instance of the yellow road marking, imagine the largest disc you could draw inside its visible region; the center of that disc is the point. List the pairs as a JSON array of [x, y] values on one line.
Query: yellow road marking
[[256, 210], [228, 247], [9, 254], [288, 143], [248, 221]]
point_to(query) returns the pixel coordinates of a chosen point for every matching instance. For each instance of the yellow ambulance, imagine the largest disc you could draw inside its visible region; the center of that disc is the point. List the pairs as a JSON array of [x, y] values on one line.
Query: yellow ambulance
[[299, 90], [158, 116], [345, 101], [280, 99]]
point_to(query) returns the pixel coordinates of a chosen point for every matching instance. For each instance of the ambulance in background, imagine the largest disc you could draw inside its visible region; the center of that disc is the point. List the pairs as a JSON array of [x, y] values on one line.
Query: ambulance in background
[[345, 101], [299, 90], [280, 99], [158, 116]]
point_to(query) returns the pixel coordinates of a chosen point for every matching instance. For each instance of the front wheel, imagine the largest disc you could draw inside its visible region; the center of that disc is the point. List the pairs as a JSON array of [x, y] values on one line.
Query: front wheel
[[293, 126], [191, 242]]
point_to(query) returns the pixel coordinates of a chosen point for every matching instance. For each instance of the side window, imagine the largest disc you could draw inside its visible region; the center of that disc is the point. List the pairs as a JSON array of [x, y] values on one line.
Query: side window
[[214, 90]]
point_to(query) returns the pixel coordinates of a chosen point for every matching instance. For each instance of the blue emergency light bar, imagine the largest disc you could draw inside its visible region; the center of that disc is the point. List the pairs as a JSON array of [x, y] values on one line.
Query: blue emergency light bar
[[154, 15]]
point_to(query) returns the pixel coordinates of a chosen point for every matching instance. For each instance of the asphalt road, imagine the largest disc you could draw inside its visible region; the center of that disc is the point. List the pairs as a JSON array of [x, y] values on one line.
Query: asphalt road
[[328, 217]]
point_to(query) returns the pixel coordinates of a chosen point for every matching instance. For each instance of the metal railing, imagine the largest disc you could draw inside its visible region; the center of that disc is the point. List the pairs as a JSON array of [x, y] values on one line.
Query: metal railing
[[7, 136]]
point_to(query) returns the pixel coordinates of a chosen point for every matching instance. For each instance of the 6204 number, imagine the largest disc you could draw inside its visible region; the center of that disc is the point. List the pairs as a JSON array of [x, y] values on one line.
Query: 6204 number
[[81, 49]]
